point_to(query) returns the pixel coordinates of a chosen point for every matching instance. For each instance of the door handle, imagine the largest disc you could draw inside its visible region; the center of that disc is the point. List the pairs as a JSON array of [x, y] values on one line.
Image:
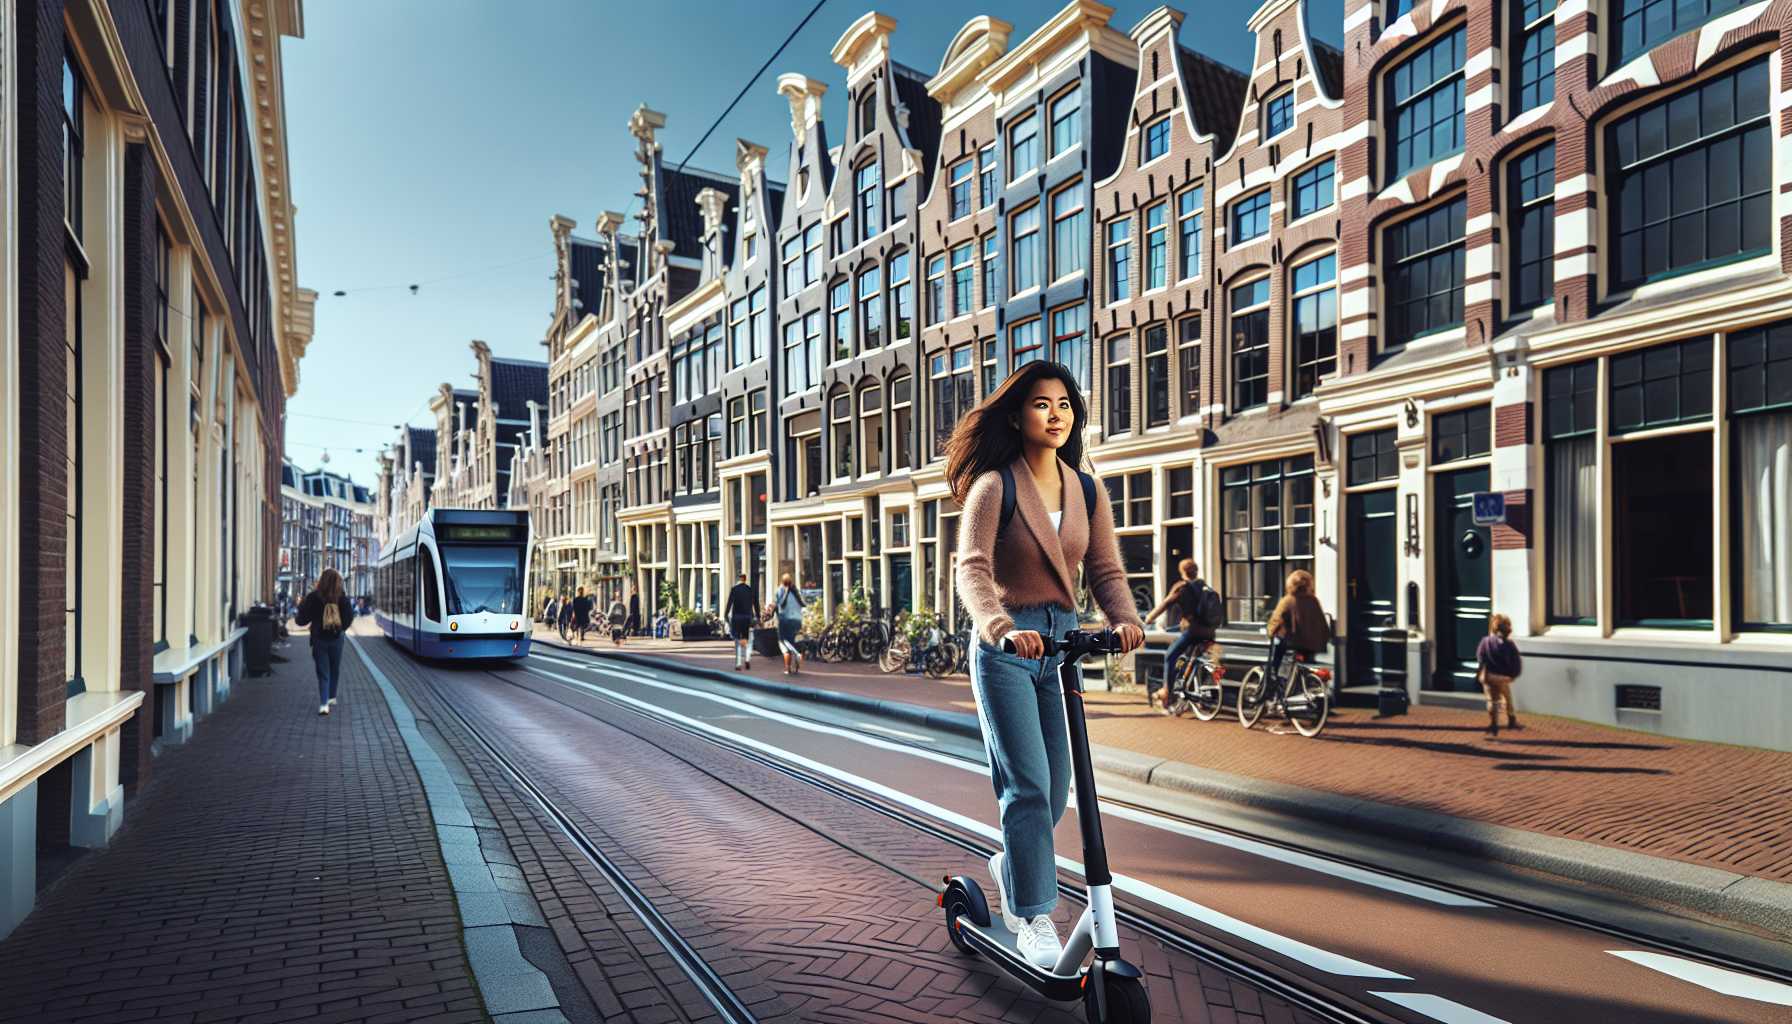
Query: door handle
[[1353, 587]]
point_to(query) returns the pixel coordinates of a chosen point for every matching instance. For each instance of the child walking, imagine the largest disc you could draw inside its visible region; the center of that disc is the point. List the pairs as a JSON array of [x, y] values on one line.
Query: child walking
[[1500, 668]]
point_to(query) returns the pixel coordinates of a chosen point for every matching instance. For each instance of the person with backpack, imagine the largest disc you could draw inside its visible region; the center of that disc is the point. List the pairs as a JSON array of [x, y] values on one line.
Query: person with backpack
[[1298, 621], [328, 612], [1499, 666], [1198, 606], [632, 624], [740, 611], [617, 614], [788, 604], [581, 613], [1032, 517]]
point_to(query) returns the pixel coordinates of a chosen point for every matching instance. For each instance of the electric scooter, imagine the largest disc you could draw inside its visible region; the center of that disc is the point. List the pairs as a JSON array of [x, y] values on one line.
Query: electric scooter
[[1112, 990]]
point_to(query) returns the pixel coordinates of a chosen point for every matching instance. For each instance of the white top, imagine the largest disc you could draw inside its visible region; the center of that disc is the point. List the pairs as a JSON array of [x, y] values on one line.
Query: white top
[[1057, 518]]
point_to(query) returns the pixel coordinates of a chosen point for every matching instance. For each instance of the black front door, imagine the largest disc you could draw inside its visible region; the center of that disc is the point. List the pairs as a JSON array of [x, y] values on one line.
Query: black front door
[[902, 584], [1464, 561], [1375, 649]]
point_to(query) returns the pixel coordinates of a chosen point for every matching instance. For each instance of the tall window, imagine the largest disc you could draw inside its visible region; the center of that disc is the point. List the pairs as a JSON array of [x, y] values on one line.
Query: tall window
[[1188, 230], [1024, 342], [1694, 177], [958, 189], [1070, 231], [1070, 341], [1118, 398], [737, 426], [868, 112], [1119, 260], [1312, 189], [986, 174], [1536, 30], [1250, 345], [1533, 192], [812, 254], [163, 412], [761, 426], [1024, 248], [963, 271], [1760, 410], [72, 409], [840, 311], [954, 392], [1278, 114], [1067, 120], [1425, 287], [1644, 23], [871, 309], [74, 121], [760, 325], [1156, 141], [902, 425], [1426, 95], [712, 360], [1023, 147], [796, 373], [992, 367], [1188, 361], [793, 264], [936, 290], [991, 279], [1315, 322], [1157, 246], [1250, 218], [1157, 375], [871, 428], [812, 349], [898, 195], [737, 334], [869, 202], [1266, 514], [840, 414], [902, 297]]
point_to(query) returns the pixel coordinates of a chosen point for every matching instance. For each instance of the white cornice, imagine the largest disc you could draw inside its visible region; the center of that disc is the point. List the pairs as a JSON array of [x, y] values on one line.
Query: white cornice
[[265, 23], [1082, 24]]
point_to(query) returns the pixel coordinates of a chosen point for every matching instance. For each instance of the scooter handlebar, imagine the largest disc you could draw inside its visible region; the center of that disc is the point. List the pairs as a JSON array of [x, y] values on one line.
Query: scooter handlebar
[[1076, 643]]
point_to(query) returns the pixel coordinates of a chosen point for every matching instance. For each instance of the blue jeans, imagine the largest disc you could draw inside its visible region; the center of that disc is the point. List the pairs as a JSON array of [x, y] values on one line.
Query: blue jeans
[[1187, 643], [326, 654], [787, 631], [1021, 709]]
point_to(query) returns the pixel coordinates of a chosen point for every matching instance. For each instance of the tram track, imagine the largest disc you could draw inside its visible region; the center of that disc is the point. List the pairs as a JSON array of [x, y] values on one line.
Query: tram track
[[1325, 1005]]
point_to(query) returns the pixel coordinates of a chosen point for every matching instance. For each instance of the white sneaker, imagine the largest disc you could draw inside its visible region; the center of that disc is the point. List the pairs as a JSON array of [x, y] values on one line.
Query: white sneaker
[[323, 709], [332, 702], [1038, 942], [1014, 921]]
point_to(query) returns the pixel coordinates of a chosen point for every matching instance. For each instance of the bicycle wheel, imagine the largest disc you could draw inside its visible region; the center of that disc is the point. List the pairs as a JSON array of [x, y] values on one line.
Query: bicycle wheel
[[1204, 694], [938, 661], [1250, 697], [895, 654], [830, 645], [1309, 704]]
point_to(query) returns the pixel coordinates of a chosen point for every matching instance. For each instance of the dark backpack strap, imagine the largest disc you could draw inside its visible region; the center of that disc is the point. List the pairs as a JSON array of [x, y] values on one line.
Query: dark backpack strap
[[1007, 500], [1088, 495]]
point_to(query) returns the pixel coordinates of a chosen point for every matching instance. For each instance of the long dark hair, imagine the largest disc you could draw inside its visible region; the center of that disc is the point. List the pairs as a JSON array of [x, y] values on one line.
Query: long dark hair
[[329, 586], [987, 439]]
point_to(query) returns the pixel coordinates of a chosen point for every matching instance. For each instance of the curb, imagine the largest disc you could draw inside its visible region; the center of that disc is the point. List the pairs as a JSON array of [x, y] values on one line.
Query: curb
[[1761, 902]]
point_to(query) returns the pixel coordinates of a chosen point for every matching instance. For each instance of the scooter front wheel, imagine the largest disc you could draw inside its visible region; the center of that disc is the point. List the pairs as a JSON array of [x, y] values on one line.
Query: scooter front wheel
[[1128, 1003]]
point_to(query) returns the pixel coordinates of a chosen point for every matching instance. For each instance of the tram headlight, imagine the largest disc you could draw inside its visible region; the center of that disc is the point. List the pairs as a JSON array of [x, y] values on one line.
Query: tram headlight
[[514, 624], [454, 627]]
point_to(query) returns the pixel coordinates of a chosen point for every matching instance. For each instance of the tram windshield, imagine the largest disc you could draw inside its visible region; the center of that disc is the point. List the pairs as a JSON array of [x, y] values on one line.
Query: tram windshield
[[483, 579]]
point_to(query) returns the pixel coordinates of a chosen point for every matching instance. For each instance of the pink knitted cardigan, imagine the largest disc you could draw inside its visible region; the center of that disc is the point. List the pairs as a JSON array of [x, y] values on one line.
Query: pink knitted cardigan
[[1034, 564]]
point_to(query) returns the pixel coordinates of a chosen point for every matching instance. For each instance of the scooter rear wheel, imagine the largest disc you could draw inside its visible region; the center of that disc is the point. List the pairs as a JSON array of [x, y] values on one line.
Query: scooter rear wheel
[[1127, 1001], [958, 910]]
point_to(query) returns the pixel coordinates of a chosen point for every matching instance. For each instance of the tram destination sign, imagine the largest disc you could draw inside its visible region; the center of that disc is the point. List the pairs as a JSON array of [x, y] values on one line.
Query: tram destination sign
[[1490, 508], [475, 532]]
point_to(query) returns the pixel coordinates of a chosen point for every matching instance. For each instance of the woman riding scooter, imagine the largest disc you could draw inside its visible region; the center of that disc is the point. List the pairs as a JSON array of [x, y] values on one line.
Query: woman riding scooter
[[1031, 517]]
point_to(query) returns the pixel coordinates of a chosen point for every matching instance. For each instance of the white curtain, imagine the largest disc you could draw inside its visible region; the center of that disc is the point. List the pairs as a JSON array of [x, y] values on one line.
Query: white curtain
[[1573, 528], [1764, 489]]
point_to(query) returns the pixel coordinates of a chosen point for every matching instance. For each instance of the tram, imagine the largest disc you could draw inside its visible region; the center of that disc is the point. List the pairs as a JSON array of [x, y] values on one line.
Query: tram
[[453, 585]]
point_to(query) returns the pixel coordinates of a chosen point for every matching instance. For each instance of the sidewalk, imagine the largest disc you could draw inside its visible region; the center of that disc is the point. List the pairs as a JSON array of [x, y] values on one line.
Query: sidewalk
[[281, 866], [1718, 807]]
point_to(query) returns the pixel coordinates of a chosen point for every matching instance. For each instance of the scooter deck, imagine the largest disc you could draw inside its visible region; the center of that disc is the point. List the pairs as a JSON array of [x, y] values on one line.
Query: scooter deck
[[1065, 988]]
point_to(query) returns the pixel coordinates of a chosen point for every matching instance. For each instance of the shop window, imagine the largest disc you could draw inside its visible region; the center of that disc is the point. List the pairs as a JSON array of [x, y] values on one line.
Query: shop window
[[1661, 515], [1661, 386], [1693, 178], [1267, 533], [1461, 434], [1570, 410], [1760, 409], [1373, 457]]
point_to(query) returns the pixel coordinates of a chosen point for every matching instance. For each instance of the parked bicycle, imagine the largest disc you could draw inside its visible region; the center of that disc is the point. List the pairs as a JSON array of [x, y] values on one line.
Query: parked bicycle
[[1299, 692], [1196, 686]]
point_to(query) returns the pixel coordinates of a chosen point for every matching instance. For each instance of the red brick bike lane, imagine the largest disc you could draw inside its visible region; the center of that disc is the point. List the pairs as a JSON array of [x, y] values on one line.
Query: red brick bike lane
[[1708, 804]]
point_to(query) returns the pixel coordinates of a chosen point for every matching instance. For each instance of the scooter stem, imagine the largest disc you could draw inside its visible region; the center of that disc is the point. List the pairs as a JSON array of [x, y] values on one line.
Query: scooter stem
[[1088, 811]]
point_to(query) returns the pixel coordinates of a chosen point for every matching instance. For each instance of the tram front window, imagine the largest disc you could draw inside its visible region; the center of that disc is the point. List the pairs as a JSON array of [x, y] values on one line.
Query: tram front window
[[483, 579]]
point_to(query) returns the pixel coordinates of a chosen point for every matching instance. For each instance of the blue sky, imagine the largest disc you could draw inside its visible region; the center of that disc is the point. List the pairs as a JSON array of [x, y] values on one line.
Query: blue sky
[[431, 141]]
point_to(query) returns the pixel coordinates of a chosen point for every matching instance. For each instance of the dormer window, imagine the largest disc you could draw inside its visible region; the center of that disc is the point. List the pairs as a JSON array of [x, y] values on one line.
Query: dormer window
[[1278, 114], [868, 112], [1156, 141]]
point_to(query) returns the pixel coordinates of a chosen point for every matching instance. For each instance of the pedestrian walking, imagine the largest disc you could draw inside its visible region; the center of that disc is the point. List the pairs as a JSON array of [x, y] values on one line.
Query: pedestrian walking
[[1500, 667], [1298, 622], [550, 614], [328, 612], [1032, 517], [787, 605], [581, 613], [741, 613], [1198, 606], [633, 624], [617, 615]]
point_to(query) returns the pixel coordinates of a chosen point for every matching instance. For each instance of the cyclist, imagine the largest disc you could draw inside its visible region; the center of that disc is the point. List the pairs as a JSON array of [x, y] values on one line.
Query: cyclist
[[617, 614], [1298, 622], [1199, 608]]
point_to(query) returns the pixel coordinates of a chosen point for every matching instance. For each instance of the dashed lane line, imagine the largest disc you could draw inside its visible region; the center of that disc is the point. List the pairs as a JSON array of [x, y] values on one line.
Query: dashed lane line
[[1445, 1011], [1717, 979]]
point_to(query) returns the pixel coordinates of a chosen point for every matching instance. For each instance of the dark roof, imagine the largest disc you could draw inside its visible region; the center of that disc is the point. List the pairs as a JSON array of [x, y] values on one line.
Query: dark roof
[[363, 495], [684, 221], [515, 382], [423, 449], [1215, 96], [1328, 62], [587, 277], [774, 203], [923, 119]]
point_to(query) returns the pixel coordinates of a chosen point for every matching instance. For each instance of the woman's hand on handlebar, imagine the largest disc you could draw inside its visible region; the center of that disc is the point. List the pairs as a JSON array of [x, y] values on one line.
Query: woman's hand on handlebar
[[1131, 637], [1025, 642]]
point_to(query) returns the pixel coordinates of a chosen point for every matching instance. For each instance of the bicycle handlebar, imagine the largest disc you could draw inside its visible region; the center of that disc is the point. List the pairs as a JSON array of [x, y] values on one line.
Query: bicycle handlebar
[[1076, 643]]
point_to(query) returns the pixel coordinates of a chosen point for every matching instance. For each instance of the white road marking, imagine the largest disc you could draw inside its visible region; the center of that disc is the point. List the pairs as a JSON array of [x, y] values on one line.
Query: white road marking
[[886, 730], [1717, 979], [1438, 1008], [1293, 949], [1268, 851]]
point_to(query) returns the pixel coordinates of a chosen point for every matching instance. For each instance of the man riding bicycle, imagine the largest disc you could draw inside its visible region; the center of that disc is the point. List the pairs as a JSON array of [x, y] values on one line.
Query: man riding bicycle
[[1298, 622], [1198, 606]]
